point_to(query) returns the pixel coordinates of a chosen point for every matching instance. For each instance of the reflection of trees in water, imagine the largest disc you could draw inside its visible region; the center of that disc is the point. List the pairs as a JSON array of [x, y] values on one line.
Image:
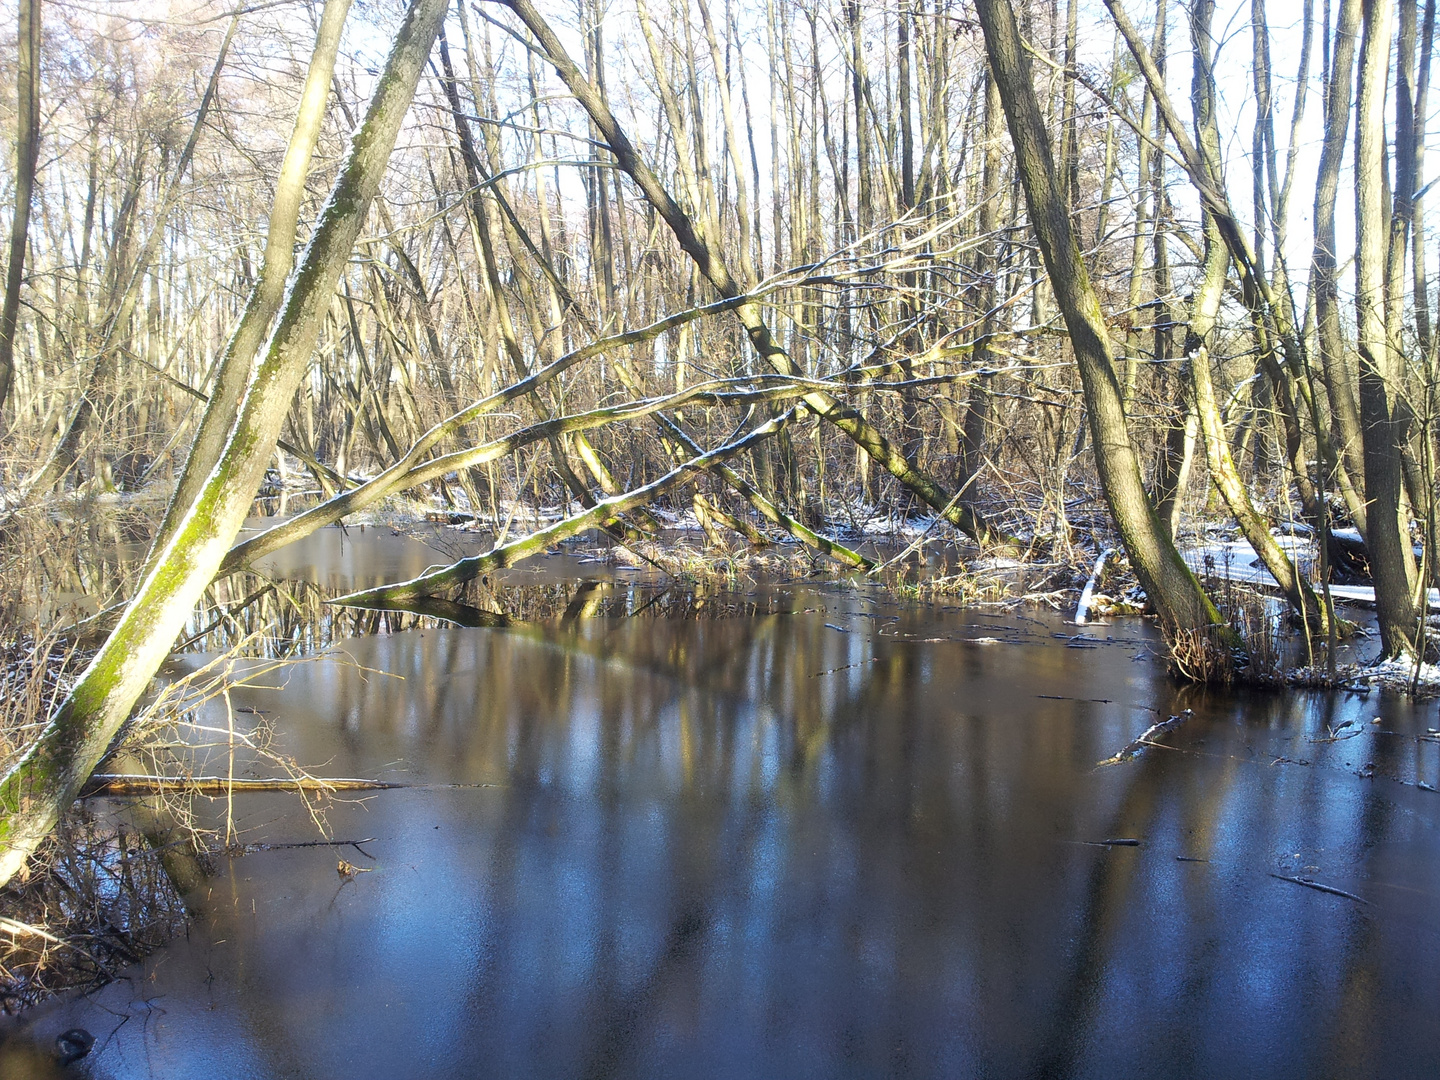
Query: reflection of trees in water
[[104, 889], [1192, 963], [285, 618], [1359, 975], [863, 843], [90, 549], [729, 816]]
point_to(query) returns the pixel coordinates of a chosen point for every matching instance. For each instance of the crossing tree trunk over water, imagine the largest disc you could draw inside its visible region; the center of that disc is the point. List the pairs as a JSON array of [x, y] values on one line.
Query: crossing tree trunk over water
[[469, 569]]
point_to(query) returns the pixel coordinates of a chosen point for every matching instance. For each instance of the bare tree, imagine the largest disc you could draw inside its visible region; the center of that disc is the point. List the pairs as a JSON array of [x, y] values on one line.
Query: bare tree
[[1177, 597], [27, 151]]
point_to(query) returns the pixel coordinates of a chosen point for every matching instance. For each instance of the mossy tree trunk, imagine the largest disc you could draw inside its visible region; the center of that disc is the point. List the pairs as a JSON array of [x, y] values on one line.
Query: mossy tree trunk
[[458, 573], [38, 788]]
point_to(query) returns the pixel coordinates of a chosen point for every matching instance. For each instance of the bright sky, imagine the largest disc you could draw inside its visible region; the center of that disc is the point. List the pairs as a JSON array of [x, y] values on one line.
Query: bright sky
[[1234, 77]]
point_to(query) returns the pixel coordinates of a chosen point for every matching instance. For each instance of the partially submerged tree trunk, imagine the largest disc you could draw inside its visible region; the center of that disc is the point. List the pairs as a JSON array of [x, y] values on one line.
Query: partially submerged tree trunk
[[457, 573], [1223, 473], [807, 536], [1173, 590], [39, 787]]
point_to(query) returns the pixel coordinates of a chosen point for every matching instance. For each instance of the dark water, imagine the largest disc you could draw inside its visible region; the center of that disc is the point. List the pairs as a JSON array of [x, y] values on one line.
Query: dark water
[[824, 835]]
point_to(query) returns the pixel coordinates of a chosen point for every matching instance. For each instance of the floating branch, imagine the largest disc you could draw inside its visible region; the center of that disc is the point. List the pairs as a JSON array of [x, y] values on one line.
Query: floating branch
[[1147, 738], [140, 784], [1310, 883]]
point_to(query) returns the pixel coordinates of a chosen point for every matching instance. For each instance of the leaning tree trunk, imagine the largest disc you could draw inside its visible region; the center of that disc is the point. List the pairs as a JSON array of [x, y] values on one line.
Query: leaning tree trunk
[[1223, 473], [39, 787], [1173, 590], [1272, 311]]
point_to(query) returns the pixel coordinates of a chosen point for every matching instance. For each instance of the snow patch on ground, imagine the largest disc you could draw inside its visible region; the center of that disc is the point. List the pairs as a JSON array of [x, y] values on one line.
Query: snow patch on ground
[[1237, 561], [1399, 675]]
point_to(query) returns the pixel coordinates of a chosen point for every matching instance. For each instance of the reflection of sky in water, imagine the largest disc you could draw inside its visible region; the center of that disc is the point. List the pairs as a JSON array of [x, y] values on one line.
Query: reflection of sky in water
[[704, 851]]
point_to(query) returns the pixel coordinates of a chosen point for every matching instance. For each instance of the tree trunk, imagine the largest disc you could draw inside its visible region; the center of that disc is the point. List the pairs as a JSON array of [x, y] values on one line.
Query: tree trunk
[[1172, 589], [233, 370], [1324, 266], [975, 433], [27, 151], [468, 569], [1382, 413]]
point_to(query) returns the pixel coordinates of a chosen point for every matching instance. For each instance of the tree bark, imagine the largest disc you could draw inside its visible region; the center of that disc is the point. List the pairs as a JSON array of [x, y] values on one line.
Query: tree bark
[[1382, 410], [1174, 592], [27, 152], [1223, 473]]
